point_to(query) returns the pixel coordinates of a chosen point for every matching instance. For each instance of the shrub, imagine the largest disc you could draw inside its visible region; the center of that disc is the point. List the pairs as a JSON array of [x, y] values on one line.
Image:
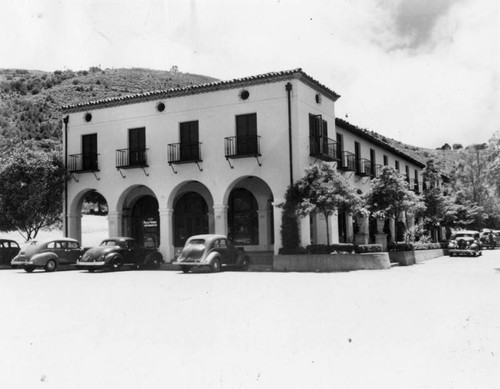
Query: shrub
[[291, 251], [328, 249], [401, 246], [368, 248]]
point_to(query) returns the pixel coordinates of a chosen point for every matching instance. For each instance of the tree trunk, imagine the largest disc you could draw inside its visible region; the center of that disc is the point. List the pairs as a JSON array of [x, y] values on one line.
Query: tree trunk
[[327, 229]]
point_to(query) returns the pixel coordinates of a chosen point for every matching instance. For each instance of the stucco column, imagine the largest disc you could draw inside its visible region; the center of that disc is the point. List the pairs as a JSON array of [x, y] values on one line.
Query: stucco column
[[166, 248], [75, 227], [277, 226], [380, 236], [305, 230], [115, 224], [333, 221], [410, 221], [349, 229], [392, 228], [362, 236], [263, 229], [220, 219]]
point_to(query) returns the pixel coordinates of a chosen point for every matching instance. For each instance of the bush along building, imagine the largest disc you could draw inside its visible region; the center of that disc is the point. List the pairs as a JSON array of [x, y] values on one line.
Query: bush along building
[[218, 158]]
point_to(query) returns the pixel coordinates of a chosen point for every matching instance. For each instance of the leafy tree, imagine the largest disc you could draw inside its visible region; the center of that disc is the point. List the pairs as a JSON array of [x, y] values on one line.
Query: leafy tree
[[323, 190], [436, 204], [31, 188], [390, 196]]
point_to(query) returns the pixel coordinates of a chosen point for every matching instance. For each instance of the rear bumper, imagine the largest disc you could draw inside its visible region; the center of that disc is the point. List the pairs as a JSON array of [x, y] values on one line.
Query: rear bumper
[[91, 265]]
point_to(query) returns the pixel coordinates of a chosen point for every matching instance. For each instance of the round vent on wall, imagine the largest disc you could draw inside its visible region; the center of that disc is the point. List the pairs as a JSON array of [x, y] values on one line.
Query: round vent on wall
[[244, 94], [318, 98], [87, 116], [160, 106]]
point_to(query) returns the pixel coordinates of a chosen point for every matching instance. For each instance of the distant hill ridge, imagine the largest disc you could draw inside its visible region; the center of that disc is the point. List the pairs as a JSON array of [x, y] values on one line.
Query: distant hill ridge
[[30, 100]]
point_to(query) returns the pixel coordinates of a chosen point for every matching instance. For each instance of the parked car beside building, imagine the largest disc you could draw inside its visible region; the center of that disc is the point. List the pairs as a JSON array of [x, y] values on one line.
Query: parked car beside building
[[48, 255], [465, 242], [8, 250], [114, 253], [213, 252]]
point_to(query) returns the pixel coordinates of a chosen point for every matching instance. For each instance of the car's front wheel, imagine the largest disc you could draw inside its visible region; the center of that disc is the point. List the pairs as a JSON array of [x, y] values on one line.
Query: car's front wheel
[[215, 267], [51, 265], [244, 264], [29, 269], [115, 264], [185, 269]]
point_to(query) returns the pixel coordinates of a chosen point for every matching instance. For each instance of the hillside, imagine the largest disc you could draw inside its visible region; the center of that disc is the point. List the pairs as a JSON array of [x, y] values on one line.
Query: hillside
[[30, 100]]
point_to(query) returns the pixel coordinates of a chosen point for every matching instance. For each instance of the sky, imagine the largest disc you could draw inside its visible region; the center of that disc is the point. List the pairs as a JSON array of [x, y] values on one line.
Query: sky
[[424, 72]]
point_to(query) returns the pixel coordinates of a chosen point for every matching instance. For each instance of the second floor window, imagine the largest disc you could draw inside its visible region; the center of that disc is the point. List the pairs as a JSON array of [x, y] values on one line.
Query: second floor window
[[246, 134], [137, 145], [89, 152], [189, 141]]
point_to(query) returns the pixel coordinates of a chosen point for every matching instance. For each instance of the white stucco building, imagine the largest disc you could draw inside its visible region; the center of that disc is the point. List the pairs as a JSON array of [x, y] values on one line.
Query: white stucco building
[[216, 158]]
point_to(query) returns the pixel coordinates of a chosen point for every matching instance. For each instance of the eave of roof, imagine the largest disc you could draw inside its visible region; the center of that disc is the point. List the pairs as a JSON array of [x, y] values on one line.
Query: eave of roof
[[362, 133], [204, 88]]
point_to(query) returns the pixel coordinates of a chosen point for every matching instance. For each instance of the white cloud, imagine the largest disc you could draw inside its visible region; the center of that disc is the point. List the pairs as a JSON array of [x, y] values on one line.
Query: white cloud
[[423, 72]]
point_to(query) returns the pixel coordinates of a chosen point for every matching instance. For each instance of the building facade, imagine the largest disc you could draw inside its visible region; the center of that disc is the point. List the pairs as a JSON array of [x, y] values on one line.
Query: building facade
[[214, 158]]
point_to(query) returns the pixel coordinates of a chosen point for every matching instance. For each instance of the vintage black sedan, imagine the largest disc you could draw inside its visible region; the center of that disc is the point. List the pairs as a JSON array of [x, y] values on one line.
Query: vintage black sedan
[[48, 255], [212, 252], [114, 253], [8, 250], [465, 242]]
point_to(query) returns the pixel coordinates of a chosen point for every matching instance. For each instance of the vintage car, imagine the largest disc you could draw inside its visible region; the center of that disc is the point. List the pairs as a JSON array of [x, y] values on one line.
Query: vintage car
[[113, 253], [488, 239], [8, 250], [213, 252], [49, 254], [465, 242]]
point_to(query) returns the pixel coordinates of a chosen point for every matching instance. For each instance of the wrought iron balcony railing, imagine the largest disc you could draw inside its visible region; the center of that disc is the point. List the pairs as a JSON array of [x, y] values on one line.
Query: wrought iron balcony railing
[[184, 152], [87, 162], [347, 161], [364, 167], [131, 158], [242, 146], [323, 148]]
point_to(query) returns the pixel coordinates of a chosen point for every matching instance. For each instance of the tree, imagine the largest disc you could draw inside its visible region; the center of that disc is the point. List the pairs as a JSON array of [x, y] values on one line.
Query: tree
[[434, 200], [390, 196], [323, 190], [31, 188]]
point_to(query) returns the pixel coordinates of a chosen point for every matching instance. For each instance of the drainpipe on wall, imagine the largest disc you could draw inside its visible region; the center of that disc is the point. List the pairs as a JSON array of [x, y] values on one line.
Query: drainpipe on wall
[[66, 120], [288, 87]]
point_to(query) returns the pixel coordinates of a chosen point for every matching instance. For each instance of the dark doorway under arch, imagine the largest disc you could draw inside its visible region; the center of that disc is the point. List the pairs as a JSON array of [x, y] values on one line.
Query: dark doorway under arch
[[146, 222], [243, 219], [190, 217]]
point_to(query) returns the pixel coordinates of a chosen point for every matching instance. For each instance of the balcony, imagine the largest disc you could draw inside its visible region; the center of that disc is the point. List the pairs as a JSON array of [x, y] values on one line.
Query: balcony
[[80, 163], [242, 146], [184, 153], [364, 167], [347, 162], [323, 148], [131, 158]]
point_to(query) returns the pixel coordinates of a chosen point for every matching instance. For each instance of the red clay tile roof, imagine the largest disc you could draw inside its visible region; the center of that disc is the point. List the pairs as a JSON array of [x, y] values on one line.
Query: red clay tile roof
[[365, 134], [205, 88]]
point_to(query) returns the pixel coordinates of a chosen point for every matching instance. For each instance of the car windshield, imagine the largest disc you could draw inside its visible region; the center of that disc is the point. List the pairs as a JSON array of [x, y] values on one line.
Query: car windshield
[[109, 243], [464, 235], [196, 242]]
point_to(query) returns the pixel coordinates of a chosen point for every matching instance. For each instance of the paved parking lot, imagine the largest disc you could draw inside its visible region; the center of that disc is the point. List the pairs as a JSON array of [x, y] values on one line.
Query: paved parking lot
[[433, 325]]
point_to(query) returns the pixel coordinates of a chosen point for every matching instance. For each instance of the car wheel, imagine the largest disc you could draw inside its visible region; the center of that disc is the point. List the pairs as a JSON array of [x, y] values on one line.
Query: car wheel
[[29, 269], [185, 269], [51, 265], [115, 265], [244, 264], [91, 270], [215, 267]]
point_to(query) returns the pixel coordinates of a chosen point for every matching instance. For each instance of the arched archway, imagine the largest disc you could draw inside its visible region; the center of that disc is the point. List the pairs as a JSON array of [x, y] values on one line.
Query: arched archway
[[243, 218], [250, 213], [87, 217], [145, 221], [190, 217]]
